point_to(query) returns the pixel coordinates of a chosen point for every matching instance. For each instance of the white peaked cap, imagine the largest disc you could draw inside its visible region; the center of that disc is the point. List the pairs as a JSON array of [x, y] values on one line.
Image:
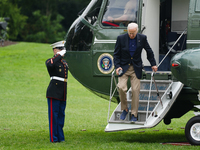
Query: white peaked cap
[[58, 44]]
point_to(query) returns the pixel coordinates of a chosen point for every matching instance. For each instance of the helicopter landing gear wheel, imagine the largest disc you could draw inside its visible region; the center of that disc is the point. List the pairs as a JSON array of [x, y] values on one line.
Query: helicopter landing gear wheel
[[192, 130], [167, 121]]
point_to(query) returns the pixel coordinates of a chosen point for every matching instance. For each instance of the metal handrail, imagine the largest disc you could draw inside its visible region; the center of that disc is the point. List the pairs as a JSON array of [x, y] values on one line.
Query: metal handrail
[[112, 92], [149, 98], [172, 47], [152, 75], [157, 90]]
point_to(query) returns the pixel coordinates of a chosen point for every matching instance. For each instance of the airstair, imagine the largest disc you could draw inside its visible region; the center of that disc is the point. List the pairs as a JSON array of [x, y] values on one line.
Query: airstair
[[155, 100]]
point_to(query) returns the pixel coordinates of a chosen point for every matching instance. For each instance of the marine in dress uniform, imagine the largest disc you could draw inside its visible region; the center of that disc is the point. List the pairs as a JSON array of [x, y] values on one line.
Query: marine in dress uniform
[[57, 92]]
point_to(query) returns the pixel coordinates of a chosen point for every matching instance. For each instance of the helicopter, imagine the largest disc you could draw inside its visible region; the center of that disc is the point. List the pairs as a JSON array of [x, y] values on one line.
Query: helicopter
[[172, 29]]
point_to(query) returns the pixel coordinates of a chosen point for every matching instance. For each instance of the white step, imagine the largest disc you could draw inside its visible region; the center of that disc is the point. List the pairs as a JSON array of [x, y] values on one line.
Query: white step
[[141, 116]]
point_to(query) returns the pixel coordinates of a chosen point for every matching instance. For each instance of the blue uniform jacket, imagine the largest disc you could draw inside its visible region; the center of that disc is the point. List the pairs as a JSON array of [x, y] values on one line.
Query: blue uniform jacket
[[57, 66], [123, 59]]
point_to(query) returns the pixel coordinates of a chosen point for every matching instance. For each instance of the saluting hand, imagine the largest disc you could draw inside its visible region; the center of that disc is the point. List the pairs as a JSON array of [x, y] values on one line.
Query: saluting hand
[[62, 52]]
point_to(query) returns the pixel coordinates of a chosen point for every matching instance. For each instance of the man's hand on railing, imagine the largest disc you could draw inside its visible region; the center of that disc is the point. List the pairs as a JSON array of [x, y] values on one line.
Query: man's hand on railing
[[117, 70], [154, 68]]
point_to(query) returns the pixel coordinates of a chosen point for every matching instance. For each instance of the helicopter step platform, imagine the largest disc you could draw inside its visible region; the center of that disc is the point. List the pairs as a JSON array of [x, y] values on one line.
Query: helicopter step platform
[[155, 100], [127, 122]]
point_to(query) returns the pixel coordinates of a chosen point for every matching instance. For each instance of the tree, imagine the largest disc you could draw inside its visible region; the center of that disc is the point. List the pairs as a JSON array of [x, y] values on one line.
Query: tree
[[44, 29], [40, 20], [69, 10]]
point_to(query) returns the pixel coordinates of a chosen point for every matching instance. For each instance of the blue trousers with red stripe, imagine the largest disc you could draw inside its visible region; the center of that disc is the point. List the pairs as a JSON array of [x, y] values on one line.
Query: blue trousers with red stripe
[[56, 112]]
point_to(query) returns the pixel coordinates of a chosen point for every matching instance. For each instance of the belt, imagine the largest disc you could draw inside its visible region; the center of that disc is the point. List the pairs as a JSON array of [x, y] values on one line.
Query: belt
[[58, 78]]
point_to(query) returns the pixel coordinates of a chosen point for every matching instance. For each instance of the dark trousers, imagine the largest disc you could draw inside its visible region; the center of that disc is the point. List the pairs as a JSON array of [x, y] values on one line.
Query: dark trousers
[[56, 112]]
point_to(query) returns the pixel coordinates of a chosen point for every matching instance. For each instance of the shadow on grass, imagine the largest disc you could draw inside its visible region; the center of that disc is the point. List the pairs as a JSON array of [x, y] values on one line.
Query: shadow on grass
[[151, 137], [91, 139], [128, 137]]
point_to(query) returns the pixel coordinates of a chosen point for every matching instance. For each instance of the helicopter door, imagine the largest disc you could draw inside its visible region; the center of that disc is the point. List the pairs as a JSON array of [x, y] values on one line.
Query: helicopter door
[[194, 24], [150, 27]]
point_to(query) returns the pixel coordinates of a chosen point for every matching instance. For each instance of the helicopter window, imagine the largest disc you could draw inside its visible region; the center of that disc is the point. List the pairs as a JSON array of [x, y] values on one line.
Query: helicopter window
[[93, 13], [119, 13], [198, 6], [79, 38]]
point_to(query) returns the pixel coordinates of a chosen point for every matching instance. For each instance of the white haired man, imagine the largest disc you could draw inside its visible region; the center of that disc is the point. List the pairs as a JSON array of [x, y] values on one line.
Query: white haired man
[[127, 58]]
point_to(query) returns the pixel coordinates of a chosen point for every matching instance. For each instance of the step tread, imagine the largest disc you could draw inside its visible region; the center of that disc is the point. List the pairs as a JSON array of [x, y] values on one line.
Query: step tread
[[139, 111], [144, 101], [157, 81], [159, 72], [163, 91], [127, 122]]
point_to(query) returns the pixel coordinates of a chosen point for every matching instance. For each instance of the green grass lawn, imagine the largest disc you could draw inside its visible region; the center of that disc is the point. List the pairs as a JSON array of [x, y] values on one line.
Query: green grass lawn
[[24, 118]]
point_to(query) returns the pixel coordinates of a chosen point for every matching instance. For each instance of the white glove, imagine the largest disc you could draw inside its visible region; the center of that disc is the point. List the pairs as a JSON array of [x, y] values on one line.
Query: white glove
[[62, 53]]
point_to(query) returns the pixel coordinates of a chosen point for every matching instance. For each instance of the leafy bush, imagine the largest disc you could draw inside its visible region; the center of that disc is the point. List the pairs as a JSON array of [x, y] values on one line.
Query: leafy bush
[[17, 20], [4, 33]]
